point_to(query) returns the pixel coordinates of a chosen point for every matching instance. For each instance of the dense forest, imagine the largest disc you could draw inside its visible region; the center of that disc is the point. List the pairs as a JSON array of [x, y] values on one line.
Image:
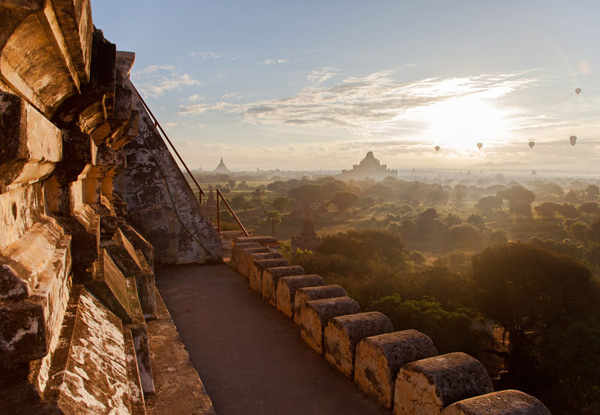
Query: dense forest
[[505, 272]]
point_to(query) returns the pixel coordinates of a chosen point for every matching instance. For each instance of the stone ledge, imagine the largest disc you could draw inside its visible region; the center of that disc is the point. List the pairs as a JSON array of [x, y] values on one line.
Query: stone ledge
[[343, 333], [511, 402], [317, 313], [236, 250], [248, 255], [430, 385], [303, 295], [379, 358], [259, 266], [271, 278], [287, 287]]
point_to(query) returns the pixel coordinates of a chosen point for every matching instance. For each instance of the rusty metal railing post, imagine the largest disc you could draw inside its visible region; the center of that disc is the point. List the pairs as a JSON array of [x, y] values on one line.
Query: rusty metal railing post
[[220, 195], [218, 213]]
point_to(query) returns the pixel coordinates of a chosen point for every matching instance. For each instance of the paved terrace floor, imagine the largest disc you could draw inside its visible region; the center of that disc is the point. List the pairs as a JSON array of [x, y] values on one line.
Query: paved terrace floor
[[250, 356]]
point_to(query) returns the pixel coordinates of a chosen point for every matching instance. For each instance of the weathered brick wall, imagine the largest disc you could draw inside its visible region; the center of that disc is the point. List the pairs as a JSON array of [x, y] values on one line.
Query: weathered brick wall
[[76, 278]]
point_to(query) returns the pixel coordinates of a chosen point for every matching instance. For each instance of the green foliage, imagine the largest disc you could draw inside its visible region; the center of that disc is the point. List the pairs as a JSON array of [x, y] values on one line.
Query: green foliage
[[281, 203], [367, 245], [450, 331], [344, 200], [466, 236], [543, 299]]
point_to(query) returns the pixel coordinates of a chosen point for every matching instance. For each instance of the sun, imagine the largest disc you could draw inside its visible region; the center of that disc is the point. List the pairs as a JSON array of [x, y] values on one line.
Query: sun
[[463, 121]]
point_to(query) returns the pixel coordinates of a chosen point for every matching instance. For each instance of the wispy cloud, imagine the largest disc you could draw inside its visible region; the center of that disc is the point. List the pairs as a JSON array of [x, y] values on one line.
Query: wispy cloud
[[207, 55], [364, 104], [273, 61], [155, 80], [321, 75]]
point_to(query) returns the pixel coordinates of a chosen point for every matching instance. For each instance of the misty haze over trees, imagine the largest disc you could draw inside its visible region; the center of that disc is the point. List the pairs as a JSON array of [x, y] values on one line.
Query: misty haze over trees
[[505, 269]]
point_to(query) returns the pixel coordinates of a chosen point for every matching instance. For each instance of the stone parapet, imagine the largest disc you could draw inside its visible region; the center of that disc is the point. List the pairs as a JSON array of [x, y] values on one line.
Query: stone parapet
[[428, 386], [246, 256], [343, 333], [306, 294], [271, 278], [316, 314], [236, 251], [379, 358], [287, 287], [259, 266], [505, 402]]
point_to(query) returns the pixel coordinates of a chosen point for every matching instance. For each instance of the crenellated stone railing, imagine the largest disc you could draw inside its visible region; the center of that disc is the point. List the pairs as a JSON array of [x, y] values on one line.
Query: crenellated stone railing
[[401, 370]]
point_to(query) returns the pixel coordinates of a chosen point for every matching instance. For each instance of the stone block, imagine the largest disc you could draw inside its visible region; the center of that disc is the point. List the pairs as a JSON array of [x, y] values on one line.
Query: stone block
[[267, 241], [316, 314], [31, 144], [428, 386], [235, 253], [505, 402], [287, 287], [38, 266], [138, 241], [343, 333], [139, 333], [138, 404], [303, 295], [379, 358], [96, 369], [20, 208], [245, 261], [39, 49], [271, 279], [259, 266], [109, 285]]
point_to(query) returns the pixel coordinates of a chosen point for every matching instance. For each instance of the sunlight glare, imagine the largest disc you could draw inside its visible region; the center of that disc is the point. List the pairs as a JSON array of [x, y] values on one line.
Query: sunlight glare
[[463, 121]]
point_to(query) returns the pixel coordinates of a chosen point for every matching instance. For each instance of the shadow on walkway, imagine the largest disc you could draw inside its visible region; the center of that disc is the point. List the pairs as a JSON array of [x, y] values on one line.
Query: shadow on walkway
[[248, 354]]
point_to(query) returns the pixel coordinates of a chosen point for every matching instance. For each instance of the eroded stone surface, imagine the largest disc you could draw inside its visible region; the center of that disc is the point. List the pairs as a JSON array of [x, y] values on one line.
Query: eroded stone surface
[[161, 203], [379, 358], [235, 252], [303, 295], [259, 266], [427, 386], [262, 240], [316, 314], [244, 261], [287, 287], [271, 278], [343, 333], [95, 377], [507, 402]]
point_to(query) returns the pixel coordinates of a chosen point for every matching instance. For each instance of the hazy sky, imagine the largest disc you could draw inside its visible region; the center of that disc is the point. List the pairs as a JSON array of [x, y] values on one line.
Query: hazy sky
[[317, 83]]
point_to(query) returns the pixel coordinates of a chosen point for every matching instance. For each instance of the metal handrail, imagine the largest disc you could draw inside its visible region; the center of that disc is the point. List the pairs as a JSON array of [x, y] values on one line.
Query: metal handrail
[[157, 125], [220, 195]]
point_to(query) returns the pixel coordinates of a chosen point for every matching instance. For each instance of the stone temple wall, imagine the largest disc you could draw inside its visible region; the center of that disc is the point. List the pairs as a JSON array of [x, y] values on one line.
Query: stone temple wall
[[79, 311]]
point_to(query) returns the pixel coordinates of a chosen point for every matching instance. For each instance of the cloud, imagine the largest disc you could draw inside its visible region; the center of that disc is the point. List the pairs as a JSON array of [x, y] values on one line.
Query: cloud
[[207, 55], [155, 80], [321, 75], [272, 61], [373, 103]]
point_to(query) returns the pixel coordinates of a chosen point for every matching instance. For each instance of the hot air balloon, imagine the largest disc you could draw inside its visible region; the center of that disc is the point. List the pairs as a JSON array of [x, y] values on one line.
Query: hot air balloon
[[531, 144], [578, 91], [479, 145], [437, 148], [573, 140]]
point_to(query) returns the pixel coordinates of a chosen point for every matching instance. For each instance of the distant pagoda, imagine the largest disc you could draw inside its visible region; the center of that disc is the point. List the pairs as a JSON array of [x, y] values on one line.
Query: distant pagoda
[[221, 168], [369, 167]]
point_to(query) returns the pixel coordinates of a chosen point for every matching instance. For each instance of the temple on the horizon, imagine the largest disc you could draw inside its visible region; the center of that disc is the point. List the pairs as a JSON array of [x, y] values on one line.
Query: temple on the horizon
[[369, 167], [222, 168]]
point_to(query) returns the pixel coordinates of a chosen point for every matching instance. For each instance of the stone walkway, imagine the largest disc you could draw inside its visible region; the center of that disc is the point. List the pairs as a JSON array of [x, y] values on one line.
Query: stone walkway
[[248, 354]]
